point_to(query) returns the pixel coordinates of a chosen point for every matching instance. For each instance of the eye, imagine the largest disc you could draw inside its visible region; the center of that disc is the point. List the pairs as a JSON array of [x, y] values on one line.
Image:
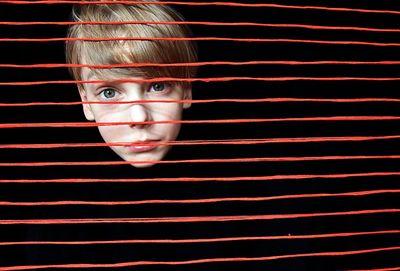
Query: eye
[[158, 87], [108, 93]]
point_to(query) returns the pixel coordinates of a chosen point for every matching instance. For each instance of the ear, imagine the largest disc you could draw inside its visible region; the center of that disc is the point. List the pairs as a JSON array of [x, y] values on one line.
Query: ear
[[87, 110], [187, 95]]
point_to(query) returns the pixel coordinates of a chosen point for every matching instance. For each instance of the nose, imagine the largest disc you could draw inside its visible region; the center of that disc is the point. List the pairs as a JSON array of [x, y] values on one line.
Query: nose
[[138, 113]]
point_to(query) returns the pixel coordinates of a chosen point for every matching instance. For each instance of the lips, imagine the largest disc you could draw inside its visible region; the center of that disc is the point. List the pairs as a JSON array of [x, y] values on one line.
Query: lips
[[143, 146]]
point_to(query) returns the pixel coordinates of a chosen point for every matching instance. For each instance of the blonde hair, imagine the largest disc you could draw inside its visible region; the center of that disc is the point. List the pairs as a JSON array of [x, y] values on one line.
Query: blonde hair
[[130, 51]]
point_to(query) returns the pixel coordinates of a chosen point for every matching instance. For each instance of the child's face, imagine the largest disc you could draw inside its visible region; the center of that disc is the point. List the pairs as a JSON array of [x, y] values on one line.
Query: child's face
[[136, 134]]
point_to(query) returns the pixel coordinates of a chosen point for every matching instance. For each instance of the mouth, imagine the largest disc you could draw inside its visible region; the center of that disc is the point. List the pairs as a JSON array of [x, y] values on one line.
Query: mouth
[[143, 146]]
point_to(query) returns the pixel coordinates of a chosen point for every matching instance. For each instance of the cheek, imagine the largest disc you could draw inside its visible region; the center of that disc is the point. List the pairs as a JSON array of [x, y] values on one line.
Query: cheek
[[169, 131], [168, 112], [107, 113], [110, 133], [165, 111]]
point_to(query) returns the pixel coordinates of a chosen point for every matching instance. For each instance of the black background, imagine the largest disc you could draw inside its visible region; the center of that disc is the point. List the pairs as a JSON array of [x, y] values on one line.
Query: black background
[[53, 52]]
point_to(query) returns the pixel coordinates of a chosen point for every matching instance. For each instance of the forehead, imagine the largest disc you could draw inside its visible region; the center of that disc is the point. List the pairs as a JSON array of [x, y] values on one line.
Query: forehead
[[109, 74], [88, 73]]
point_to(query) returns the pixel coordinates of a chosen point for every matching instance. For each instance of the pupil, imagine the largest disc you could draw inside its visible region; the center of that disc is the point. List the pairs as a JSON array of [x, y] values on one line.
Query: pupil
[[109, 93], [158, 87]]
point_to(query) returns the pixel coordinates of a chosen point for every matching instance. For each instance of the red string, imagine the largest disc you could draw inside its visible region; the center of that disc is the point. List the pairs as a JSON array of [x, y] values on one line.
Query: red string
[[205, 240], [314, 27], [200, 201], [213, 260], [215, 218], [201, 39], [196, 64], [232, 4], [262, 100], [203, 142], [379, 269], [187, 219], [206, 80], [222, 160], [96, 124], [214, 179], [342, 253]]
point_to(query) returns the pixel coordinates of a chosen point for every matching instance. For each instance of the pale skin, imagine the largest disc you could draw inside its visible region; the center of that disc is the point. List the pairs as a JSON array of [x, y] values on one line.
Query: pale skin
[[142, 138]]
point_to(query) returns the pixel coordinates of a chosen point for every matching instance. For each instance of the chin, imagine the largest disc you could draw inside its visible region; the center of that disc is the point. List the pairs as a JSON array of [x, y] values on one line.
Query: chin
[[144, 165], [144, 160]]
